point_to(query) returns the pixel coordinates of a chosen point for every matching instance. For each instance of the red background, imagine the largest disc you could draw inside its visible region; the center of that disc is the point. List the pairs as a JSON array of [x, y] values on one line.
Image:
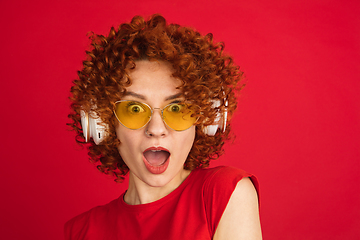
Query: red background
[[297, 126]]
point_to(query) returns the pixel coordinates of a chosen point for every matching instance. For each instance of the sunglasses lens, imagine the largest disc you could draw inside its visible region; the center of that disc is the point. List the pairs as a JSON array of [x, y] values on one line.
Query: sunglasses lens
[[131, 114], [179, 116]]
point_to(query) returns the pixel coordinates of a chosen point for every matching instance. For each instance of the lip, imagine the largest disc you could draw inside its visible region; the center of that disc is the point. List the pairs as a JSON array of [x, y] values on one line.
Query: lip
[[157, 149], [156, 169]]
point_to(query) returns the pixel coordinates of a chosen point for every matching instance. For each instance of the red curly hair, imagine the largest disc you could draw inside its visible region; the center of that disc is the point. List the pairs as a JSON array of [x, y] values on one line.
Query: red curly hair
[[205, 71]]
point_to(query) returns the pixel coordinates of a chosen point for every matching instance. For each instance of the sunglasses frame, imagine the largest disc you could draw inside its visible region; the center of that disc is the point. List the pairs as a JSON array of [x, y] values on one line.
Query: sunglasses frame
[[152, 112]]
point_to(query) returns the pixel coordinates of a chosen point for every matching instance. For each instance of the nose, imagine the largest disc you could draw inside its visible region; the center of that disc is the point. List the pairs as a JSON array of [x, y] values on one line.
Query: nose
[[156, 126]]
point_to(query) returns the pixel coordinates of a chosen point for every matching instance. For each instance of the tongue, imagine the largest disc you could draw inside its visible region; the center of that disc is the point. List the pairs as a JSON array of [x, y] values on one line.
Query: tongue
[[156, 158]]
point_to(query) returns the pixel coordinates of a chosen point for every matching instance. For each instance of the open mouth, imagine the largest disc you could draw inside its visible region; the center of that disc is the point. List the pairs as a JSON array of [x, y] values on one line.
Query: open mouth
[[156, 159]]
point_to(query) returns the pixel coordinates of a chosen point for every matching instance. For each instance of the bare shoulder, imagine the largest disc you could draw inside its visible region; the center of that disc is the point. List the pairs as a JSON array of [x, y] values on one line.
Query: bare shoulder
[[240, 219]]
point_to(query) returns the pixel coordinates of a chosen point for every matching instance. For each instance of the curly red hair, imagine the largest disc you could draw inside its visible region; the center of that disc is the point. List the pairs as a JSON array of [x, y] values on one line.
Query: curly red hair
[[205, 71]]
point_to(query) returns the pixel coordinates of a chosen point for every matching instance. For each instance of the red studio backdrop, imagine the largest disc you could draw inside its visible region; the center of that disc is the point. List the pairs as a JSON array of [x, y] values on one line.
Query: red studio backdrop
[[297, 127]]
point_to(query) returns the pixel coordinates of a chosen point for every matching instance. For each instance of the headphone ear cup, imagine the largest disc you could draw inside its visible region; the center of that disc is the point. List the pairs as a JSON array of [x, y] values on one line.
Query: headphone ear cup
[[85, 125], [210, 130], [220, 120], [97, 129], [93, 127]]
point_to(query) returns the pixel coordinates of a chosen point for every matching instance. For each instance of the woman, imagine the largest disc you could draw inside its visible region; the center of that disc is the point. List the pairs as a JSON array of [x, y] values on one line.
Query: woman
[[156, 100]]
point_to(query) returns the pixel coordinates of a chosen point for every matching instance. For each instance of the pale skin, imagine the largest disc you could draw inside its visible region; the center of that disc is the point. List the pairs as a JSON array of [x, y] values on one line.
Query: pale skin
[[240, 220], [153, 84]]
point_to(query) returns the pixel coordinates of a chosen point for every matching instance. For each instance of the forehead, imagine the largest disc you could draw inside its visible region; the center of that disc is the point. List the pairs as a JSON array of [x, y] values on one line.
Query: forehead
[[153, 78]]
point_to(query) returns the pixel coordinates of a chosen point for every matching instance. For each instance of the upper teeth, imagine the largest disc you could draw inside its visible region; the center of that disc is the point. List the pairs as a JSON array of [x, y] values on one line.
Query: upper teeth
[[155, 150]]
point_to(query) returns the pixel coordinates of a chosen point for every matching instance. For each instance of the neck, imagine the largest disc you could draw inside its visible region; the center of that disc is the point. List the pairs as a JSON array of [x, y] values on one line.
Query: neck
[[140, 192]]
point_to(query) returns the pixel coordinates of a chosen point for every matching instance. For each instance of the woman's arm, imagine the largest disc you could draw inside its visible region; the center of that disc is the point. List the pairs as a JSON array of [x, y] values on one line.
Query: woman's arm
[[241, 216]]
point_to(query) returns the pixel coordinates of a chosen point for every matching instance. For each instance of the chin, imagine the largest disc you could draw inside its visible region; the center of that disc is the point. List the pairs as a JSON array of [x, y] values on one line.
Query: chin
[[161, 180]]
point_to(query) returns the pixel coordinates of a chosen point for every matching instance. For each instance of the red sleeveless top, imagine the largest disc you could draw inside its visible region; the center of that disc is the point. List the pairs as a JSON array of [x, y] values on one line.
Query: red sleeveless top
[[192, 211]]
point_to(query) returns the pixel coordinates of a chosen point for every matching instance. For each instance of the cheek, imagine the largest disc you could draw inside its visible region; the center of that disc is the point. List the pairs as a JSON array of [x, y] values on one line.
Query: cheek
[[127, 142], [187, 141], [125, 135]]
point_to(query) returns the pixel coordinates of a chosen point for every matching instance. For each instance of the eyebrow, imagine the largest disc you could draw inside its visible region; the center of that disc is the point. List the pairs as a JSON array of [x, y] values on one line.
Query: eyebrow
[[171, 97], [135, 95]]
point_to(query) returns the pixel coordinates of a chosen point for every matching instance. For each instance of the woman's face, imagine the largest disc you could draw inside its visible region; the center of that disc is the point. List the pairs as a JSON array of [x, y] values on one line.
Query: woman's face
[[155, 154]]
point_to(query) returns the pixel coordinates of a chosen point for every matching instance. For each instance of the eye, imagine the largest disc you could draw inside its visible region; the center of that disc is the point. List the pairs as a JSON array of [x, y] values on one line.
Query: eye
[[135, 108], [175, 108]]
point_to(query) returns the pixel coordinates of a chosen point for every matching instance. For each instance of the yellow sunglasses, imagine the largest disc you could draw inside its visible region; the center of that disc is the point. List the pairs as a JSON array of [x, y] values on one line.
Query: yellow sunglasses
[[135, 115]]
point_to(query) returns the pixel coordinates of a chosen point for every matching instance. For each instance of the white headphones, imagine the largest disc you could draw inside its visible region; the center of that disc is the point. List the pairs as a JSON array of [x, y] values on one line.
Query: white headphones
[[94, 128], [219, 122]]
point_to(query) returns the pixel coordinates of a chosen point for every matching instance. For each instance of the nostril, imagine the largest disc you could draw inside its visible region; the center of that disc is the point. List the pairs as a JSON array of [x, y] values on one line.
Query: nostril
[[156, 129]]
